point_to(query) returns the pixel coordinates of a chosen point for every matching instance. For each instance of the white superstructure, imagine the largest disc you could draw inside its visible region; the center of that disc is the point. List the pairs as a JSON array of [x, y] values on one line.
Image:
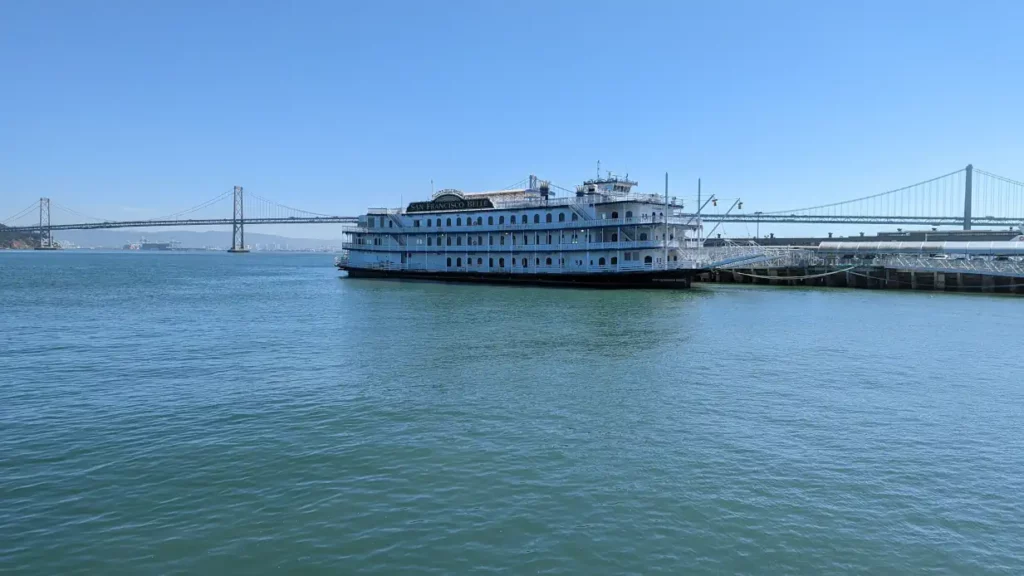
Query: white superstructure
[[604, 230]]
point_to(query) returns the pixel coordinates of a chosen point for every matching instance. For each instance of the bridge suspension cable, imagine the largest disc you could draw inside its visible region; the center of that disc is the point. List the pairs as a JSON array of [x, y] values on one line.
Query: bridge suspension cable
[[77, 213], [997, 195], [886, 201], [30, 209], [267, 208], [516, 185], [196, 208]]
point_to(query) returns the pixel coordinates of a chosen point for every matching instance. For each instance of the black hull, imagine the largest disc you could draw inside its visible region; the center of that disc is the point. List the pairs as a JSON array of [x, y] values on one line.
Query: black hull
[[674, 279]]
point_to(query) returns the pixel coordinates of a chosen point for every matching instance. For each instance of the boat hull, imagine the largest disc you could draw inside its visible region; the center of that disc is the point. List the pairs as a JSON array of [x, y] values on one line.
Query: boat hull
[[674, 279]]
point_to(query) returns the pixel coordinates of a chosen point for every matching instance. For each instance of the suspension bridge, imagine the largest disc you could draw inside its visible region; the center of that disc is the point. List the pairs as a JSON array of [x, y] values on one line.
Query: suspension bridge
[[965, 198], [247, 210]]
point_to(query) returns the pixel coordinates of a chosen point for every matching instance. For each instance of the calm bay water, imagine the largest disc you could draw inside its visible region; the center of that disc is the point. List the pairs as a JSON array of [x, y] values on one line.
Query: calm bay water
[[214, 413]]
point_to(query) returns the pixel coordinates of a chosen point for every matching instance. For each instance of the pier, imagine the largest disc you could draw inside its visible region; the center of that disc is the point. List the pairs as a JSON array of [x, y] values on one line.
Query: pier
[[987, 267], [869, 278]]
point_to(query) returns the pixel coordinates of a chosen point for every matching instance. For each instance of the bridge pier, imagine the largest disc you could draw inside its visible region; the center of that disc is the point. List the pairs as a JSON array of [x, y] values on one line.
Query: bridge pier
[[45, 231], [238, 223], [988, 283]]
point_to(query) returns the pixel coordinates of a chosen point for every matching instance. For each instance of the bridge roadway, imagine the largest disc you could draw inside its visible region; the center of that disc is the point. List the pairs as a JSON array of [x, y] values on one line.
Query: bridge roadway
[[728, 218], [196, 222]]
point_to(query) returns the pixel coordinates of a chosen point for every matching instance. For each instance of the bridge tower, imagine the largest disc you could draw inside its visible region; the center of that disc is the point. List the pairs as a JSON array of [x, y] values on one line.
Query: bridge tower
[[967, 197], [238, 223], [45, 232]]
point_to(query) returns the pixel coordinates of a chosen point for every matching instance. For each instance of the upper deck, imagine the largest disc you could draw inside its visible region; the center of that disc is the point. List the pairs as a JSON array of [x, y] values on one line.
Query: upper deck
[[596, 203]]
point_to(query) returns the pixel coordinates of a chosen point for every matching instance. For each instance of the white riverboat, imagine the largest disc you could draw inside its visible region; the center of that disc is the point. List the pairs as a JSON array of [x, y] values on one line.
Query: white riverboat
[[604, 235]]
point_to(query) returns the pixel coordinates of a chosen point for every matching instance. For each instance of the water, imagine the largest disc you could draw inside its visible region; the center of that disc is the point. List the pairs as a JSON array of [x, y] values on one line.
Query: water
[[214, 413]]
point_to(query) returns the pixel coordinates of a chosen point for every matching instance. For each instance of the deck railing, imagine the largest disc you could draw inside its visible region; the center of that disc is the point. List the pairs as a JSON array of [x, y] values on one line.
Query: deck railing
[[568, 225], [581, 246]]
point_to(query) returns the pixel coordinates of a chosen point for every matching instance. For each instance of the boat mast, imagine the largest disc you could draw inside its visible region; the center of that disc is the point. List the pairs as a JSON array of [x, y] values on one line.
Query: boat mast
[[699, 225], [664, 233]]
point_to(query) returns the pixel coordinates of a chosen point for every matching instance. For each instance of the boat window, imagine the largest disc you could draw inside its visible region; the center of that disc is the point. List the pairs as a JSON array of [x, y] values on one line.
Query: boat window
[[614, 260], [548, 261], [458, 240], [391, 224], [547, 218], [458, 262], [479, 220], [561, 216], [501, 262], [615, 215], [575, 217], [448, 222], [549, 238], [524, 263], [536, 219], [615, 237], [430, 241], [415, 223], [449, 240], [490, 262], [490, 240], [536, 239], [479, 261], [458, 221], [675, 258], [600, 261], [449, 261], [502, 241], [501, 219], [512, 219], [537, 262], [629, 213], [429, 222], [479, 240], [643, 235], [647, 259]]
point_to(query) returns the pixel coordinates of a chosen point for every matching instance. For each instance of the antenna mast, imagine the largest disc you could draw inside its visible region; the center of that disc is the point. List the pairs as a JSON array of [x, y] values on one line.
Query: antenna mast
[[700, 227], [664, 232]]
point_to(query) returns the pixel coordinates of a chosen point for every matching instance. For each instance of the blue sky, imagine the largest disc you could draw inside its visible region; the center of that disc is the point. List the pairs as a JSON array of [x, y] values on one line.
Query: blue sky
[[135, 109]]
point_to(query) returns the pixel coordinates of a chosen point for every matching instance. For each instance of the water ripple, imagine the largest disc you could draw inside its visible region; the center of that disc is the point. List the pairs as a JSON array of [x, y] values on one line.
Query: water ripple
[[184, 414]]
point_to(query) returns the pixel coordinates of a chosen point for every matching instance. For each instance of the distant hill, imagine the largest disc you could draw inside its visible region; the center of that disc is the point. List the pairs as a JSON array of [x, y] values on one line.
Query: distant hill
[[16, 240]]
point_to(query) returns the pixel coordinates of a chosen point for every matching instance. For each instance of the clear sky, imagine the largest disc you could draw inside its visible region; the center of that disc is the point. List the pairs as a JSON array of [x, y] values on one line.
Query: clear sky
[[138, 108]]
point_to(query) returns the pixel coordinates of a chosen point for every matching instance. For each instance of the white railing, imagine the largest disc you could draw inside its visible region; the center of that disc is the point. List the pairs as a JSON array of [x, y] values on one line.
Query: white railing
[[540, 226], [586, 200], [580, 246], [987, 266], [578, 209]]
